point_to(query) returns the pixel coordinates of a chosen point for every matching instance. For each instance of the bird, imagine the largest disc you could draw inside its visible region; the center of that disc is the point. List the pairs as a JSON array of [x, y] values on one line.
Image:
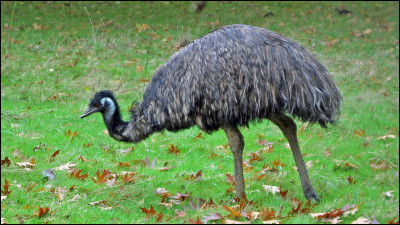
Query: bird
[[226, 79]]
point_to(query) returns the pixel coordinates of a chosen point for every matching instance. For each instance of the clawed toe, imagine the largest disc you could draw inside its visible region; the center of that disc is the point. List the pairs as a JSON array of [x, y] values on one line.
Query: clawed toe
[[313, 197]]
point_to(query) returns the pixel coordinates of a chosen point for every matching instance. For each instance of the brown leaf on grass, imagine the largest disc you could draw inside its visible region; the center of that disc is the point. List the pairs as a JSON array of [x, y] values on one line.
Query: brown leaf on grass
[[195, 222], [143, 80], [166, 204], [101, 179], [268, 169], [54, 155], [6, 186], [128, 177], [83, 158], [297, 206], [344, 165], [173, 149], [59, 193], [233, 212], [231, 179], [247, 167], [30, 164], [192, 176], [77, 174], [122, 164], [351, 180], [102, 204], [166, 168], [392, 221], [260, 140], [212, 155], [142, 27], [254, 156], [69, 134], [124, 151], [283, 193], [359, 132], [199, 136], [334, 216], [161, 191], [349, 209], [148, 212], [6, 162], [381, 165], [41, 212], [139, 68], [331, 43], [224, 147], [277, 163], [328, 152], [267, 214], [179, 197], [179, 213], [39, 26]]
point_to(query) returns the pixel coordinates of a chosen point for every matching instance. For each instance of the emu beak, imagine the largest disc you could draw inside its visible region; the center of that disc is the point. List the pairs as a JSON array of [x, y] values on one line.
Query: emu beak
[[89, 112]]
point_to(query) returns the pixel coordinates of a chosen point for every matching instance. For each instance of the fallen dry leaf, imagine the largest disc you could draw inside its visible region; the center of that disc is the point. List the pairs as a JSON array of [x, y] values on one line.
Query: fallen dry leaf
[[388, 194], [381, 165], [26, 164], [67, 166], [352, 211], [41, 211], [102, 204], [309, 164], [271, 222], [179, 213], [361, 220], [271, 189], [386, 136], [228, 221], [167, 205], [211, 217], [6, 162]]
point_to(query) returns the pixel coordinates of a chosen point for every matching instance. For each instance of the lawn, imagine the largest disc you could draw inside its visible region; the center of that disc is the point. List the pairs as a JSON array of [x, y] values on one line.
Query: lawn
[[59, 168]]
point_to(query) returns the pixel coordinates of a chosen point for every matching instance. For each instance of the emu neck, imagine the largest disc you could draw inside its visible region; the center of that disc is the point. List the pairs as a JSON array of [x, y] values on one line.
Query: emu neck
[[133, 131], [112, 118]]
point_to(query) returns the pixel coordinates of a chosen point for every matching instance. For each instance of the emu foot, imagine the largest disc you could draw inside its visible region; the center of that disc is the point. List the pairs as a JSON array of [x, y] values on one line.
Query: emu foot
[[311, 195]]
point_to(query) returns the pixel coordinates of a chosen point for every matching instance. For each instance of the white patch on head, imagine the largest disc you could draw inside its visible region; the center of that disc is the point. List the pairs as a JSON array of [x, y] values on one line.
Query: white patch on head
[[110, 109]]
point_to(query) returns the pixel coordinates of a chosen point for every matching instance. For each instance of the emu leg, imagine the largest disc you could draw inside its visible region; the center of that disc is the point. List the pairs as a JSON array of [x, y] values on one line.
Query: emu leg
[[236, 143], [289, 129]]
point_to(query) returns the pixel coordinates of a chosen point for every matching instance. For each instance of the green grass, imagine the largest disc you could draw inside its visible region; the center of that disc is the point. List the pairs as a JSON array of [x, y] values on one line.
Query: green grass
[[49, 74]]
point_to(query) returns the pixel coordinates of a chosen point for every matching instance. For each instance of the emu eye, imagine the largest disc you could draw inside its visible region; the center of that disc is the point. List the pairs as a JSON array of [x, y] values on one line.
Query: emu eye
[[97, 105]]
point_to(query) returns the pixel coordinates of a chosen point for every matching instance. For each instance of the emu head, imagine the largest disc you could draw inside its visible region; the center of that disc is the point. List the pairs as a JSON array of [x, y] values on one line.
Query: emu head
[[133, 131], [104, 102]]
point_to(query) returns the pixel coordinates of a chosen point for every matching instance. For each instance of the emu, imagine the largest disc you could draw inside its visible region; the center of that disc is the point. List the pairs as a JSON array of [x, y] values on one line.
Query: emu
[[231, 76]]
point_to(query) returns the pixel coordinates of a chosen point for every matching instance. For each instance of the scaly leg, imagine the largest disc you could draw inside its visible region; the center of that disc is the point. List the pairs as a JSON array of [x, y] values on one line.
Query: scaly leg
[[289, 129], [236, 143]]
